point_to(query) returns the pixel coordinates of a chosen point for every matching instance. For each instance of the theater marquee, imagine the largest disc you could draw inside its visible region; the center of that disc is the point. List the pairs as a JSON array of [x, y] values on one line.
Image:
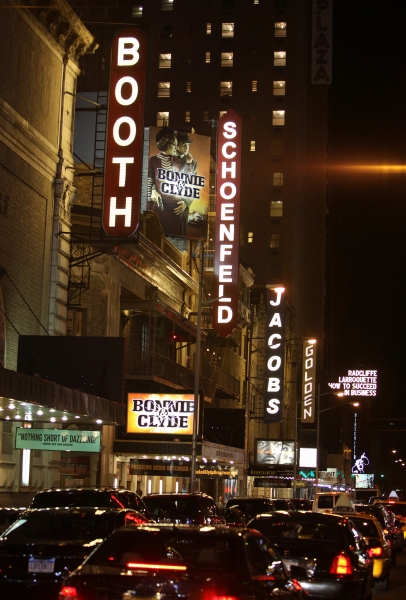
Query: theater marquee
[[160, 413]]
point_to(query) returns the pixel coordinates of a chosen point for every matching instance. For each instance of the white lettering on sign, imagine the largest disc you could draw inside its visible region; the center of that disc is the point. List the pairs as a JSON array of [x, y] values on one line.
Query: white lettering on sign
[[322, 41], [308, 381], [357, 382], [273, 398], [227, 224], [124, 134]]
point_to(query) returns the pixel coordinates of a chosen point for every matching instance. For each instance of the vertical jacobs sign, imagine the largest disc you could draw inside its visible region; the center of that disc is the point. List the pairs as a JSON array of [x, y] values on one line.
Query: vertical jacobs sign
[[226, 253], [275, 355], [125, 122], [309, 381]]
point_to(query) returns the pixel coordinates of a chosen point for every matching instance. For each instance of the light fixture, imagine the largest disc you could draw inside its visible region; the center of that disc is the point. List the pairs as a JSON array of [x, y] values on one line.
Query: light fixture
[[40, 412], [51, 410], [76, 417], [99, 421], [11, 406], [17, 417], [52, 419], [64, 418]]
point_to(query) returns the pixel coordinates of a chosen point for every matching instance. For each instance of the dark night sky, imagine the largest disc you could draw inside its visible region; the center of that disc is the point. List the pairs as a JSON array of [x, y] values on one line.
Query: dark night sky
[[365, 322]]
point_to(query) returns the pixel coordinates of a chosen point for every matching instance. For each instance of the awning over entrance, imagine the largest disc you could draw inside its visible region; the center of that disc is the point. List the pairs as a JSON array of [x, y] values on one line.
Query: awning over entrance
[[28, 398]]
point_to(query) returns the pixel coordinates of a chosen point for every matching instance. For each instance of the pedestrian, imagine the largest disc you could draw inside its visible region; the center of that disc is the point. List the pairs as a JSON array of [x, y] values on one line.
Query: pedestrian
[[139, 492], [221, 504]]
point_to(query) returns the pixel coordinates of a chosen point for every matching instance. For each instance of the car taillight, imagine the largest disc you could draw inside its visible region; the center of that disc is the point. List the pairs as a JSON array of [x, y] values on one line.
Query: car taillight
[[375, 552], [68, 591], [341, 565], [224, 598], [156, 567]]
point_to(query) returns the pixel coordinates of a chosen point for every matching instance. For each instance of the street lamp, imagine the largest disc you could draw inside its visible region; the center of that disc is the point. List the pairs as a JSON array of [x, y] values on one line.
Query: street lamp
[[318, 422]]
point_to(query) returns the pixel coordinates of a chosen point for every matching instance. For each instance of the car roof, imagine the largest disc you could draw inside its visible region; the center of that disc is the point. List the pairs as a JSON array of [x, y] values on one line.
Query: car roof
[[365, 515], [302, 514], [222, 530], [79, 509]]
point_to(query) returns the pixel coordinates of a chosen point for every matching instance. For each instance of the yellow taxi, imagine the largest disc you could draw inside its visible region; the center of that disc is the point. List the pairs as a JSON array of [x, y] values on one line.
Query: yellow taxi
[[379, 548]]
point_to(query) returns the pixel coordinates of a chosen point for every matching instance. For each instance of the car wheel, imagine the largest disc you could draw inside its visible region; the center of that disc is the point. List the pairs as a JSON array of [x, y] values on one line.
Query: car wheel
[[382, 585]]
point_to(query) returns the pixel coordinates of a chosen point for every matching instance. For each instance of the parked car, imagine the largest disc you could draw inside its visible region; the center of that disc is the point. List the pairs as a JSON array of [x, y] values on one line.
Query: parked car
[[43, 546], [251, 506], [101, 497], [182, 562], [398, 507], [324, 552], [284, 504], [393, 536], [192, 509], [302, 503], [8, 516], [379, 548]]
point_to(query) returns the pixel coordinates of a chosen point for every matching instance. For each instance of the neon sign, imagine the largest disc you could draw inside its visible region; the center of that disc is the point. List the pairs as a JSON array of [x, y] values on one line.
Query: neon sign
[[275, 356], [122, 181], [357, 382], [308, 381]]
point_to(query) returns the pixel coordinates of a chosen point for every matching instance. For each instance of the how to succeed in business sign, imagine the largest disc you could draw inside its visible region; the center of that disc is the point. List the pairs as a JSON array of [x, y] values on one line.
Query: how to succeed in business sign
[[58, 439]]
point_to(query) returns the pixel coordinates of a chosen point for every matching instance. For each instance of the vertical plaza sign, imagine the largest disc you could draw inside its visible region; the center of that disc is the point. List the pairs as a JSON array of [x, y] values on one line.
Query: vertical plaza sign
[[226, 252], [275, 354], [125, 121]]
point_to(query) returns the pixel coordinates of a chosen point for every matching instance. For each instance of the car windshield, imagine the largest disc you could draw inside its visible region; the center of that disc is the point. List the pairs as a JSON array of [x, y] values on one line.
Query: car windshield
[[193, 549], [299, 529], [78, 526], [83, 498], [174, 506], [366, 527]]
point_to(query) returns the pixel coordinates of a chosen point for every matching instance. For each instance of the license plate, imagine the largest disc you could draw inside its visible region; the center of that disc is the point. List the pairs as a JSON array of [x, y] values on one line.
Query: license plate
[[290, 562], [41, 565]]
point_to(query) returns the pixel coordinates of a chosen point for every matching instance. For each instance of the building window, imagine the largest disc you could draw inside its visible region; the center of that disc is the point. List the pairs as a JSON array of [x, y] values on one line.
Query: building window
[[250, 237], [207, 58], [166, 4], [226, 88], [277, 179], [252, 175], [254, 55], [190, 28], [280, 29], [162, 119], [278, 117], [227, 59], [189, 58], [276, 209], [166, 32], [253, 115], [136, 12], [256, 1], [227, 30], [75, 323], [279, 88], [165, 61], [275, 241], [279, 59], [252, 146], [206, 116], [187, 116], [208, 28], [164, 89], [254, 86], [188, 86], [222, 113], [144, 337], [274, 272]]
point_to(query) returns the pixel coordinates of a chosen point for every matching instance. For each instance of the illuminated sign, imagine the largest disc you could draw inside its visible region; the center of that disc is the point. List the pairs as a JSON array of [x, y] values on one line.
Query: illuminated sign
[[322, 41], [178, 181], [308, 381], [360, 463], [160, 413], [227, 241], [357, 382], [58, 439], [274, 452], [122, 179], [180, 468], [308, 457], [275, 355]]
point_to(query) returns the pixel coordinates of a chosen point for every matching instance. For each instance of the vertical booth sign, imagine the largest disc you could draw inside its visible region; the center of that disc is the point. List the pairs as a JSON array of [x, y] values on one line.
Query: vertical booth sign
[[309, 382], [226, 251], [275, 354], [125, 121]]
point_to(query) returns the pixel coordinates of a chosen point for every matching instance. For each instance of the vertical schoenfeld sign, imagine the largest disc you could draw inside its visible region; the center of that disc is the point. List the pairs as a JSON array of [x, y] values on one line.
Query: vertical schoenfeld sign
[[125, 122], [226, 251]]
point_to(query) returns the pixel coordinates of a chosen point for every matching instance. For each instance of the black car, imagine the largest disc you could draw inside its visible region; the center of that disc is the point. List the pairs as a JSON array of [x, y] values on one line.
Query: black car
[[44, 545], [324, 552], [8, 516], [302, 503], [166, 561], [284, 504], [96, 497], [192, 509], [250, 507]]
